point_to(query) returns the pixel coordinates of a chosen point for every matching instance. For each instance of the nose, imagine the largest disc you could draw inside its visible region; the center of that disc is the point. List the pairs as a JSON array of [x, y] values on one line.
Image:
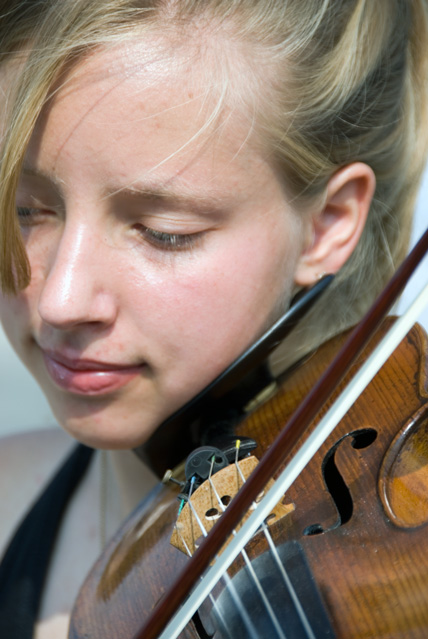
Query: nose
[[77, 287]]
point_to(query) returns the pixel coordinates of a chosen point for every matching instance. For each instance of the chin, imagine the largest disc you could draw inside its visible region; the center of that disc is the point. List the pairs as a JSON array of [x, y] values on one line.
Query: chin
[[104, 423], [104, 438], [100, 432]]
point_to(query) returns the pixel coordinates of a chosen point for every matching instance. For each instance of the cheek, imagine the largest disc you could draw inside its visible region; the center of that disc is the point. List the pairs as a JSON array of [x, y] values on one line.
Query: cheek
[[19, 314], [14, 317], [230, 294]]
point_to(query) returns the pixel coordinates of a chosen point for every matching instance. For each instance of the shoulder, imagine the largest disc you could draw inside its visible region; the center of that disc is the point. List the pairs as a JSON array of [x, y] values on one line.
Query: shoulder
[[27, 461]]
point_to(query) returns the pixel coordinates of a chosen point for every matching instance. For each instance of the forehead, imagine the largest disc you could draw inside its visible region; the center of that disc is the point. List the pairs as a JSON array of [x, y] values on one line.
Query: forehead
[[142, 104]]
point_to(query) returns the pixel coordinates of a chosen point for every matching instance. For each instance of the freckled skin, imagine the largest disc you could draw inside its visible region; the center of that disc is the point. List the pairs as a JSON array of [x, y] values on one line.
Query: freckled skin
[[101, 287]]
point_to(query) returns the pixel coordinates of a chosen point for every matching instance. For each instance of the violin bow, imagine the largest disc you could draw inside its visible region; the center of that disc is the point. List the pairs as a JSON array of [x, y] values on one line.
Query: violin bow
[[165, 622]]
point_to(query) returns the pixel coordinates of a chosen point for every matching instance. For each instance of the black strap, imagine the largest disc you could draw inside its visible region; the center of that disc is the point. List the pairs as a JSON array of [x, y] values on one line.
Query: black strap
[[25, 563]]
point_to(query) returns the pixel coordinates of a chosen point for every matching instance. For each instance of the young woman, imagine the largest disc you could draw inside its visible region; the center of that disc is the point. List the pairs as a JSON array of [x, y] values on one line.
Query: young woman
[[172, 173]]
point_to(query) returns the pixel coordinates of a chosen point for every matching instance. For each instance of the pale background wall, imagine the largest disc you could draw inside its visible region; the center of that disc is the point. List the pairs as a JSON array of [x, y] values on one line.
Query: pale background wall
[[23, 407]]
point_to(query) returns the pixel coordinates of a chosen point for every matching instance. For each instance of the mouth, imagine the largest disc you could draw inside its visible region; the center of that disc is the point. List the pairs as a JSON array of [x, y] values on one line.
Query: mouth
[[88, 377]]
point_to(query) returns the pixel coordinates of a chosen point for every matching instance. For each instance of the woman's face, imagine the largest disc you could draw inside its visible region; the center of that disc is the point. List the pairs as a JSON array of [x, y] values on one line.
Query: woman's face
[[158, 253]]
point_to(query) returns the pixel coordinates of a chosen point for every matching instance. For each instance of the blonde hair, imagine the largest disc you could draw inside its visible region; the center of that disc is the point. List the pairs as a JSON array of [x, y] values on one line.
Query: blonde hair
[[335, 81]]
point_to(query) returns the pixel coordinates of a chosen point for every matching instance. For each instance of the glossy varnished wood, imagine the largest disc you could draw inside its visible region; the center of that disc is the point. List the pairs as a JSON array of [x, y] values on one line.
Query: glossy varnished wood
[[372, 570]]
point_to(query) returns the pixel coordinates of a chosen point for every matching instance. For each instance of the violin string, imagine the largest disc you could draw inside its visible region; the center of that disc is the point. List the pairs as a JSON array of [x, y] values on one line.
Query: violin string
[[183, 541], [188, 501], [277, 560], [228, 582], [214, 603], [204, 532], [252, 572], [253, 634], [198, 519], [296, 601]]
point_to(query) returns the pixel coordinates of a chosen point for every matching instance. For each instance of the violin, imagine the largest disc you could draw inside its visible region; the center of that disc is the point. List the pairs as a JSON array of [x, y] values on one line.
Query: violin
[[350, 533]]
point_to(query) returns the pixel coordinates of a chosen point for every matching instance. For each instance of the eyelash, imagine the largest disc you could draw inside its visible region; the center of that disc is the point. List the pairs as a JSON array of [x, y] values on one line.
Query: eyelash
[[168, 241], [25, 212], [158, 239]]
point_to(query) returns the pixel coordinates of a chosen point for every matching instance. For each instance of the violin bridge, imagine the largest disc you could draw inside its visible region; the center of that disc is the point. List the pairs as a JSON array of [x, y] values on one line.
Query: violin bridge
[[209, 501]]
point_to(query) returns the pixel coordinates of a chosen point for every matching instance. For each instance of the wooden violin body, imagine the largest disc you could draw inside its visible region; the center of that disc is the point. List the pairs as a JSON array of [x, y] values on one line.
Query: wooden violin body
[[360, 514]]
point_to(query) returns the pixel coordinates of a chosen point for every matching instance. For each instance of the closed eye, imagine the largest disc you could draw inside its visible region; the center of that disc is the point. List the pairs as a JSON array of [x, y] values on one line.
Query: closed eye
[[29, 215], [168, 241], [24, 212]]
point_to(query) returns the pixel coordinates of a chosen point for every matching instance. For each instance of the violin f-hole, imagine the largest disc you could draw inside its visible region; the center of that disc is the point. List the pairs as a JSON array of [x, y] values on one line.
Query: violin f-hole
[[335, 483]]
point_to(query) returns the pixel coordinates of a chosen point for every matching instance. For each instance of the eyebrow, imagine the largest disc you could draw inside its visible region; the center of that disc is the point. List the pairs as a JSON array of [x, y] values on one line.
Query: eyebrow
[[163, 194], [150, 192], [30, 171]]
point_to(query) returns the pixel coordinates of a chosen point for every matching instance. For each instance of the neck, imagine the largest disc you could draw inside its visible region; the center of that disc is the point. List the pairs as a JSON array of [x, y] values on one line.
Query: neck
[[124, 482]]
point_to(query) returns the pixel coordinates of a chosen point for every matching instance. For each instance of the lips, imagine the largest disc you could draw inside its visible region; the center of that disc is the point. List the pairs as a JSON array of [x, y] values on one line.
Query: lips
[[87, 377]]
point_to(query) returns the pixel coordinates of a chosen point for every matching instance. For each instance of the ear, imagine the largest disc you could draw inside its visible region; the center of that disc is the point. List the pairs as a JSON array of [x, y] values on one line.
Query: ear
[[334, 230]]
